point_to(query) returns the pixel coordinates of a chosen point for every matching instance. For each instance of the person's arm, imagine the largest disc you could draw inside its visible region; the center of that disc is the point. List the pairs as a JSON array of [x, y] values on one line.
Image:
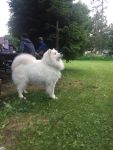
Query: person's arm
[[21, 46], [43, 47]]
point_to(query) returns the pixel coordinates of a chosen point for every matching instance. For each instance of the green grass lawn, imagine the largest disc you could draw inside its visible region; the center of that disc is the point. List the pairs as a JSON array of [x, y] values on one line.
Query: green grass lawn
[[81, 119]]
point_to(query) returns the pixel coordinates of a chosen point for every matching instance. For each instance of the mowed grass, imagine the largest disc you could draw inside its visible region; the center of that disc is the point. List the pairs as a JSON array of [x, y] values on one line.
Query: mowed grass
[[81, 119]]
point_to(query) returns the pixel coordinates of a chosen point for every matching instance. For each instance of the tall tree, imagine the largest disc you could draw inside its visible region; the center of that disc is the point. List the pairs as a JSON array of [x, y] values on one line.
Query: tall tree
[[110, 38], [39, 18], [99, 24], [75, 34]]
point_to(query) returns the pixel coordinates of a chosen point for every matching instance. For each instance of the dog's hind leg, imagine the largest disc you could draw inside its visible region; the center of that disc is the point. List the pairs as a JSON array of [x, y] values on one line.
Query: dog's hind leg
[[50, 91], [20, 89]]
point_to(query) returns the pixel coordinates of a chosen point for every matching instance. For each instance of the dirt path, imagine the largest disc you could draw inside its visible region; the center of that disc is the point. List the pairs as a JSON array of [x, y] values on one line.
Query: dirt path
[[6, 85]]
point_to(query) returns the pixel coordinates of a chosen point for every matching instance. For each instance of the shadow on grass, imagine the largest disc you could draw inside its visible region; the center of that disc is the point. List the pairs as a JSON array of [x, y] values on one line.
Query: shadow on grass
[[34, 99]]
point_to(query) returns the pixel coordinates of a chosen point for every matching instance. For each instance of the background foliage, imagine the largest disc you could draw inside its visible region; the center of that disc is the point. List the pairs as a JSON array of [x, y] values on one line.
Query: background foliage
[[39, 17], [78, 32]]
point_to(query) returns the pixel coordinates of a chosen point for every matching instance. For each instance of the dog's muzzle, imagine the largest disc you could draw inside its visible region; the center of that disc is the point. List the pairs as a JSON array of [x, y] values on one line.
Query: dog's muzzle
[[60, 56]]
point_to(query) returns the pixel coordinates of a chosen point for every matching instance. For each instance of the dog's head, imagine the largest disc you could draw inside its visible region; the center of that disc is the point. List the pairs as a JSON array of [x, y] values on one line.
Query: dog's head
[[54, 54], [54, 58]]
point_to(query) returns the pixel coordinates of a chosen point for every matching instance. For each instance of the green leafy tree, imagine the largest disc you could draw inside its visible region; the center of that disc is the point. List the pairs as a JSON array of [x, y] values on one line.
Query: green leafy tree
[[39, 17], [75, 34], [110, 38], [98, 25]]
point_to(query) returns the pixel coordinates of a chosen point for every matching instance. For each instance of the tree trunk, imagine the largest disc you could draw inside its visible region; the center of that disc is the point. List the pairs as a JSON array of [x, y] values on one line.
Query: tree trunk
[[57, 35], [0, 86]]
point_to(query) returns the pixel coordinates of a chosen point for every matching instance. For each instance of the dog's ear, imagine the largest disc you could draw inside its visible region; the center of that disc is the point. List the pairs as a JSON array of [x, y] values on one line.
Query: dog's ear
[[54, 49], [49, 51]]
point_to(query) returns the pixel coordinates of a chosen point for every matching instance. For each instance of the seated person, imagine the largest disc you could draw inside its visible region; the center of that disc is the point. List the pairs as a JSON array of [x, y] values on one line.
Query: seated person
[[12, 48], [42, 47], [5, 45], [26, 45], [1, 48]]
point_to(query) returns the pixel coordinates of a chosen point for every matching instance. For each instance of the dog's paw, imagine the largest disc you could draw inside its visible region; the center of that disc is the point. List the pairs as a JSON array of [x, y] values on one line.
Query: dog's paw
[[54, 97], [22, 97], [25, 91]]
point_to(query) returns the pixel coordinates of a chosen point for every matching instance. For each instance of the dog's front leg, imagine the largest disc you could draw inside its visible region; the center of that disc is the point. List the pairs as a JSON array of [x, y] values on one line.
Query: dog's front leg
[[50, 91], [20, 92]]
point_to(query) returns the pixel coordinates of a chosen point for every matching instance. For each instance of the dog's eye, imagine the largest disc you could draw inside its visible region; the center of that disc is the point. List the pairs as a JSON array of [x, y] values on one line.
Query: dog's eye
[[54, 53]]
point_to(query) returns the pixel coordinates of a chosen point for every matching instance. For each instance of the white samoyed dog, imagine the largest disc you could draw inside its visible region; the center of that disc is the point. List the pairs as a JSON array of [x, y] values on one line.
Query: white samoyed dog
[[27, 69]]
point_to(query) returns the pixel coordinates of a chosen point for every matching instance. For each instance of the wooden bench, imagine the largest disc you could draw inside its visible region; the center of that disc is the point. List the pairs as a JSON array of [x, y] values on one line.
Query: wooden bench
[[6, 60]]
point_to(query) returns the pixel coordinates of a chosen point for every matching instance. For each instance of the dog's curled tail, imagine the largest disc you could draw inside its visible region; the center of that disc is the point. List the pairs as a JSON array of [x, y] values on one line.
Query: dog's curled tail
[[22, 59]]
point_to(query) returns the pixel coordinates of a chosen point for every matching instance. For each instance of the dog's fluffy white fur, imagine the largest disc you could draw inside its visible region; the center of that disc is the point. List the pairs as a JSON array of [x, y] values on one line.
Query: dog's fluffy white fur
[[47, 71]]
